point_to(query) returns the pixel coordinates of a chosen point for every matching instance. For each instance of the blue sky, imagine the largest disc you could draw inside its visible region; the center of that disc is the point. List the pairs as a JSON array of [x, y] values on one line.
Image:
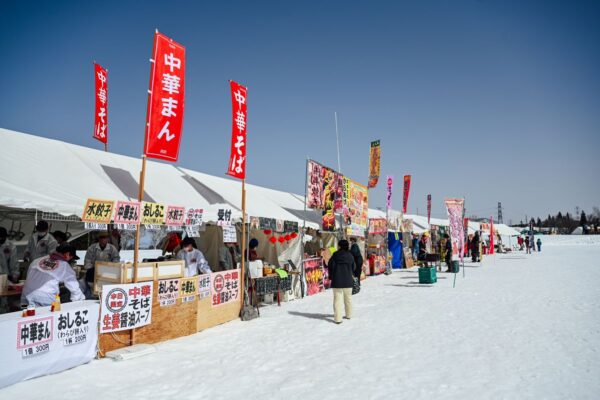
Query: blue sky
[[491, 100]]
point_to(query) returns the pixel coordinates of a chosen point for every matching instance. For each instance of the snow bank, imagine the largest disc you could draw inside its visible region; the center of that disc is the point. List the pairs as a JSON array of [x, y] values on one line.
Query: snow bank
[[516, 326], [569, 240]]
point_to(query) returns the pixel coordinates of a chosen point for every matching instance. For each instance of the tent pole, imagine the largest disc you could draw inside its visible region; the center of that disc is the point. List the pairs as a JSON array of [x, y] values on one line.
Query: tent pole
[[137, 236], [106, 147]]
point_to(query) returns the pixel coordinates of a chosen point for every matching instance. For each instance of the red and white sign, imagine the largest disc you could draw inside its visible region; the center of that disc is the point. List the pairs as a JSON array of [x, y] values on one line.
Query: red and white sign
[[101, 116], [237, 160], [166, 100], [128, 212], [175, 216]]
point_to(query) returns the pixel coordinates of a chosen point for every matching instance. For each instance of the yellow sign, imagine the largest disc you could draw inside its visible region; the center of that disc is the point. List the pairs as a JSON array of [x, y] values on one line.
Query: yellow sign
[[153, 214], [188, 287], [99, 211]]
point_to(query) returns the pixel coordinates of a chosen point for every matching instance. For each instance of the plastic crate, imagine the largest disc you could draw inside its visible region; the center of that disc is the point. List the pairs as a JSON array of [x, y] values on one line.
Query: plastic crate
[[427, 275]]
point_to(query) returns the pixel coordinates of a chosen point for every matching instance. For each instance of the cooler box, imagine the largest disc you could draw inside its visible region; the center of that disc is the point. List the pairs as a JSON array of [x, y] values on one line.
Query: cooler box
[[427, 275]]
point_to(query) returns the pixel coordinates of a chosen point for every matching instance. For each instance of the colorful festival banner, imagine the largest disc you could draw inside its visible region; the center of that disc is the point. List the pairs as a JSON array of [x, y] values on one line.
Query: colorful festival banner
[[374, 163], [356, 210], [314, 191], [166, 100], [390, 184], [428, 208], [455, 219], [406, 193], [313, 273], [101, 114], [237, 158], [330, 182]]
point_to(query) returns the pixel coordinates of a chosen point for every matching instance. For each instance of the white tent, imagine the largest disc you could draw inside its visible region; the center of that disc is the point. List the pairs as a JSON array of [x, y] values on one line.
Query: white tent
[[53, 176]]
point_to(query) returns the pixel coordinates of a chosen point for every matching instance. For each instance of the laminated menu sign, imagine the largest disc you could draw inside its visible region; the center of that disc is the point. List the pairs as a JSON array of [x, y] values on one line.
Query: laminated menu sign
[[34, 335], [188, 289], [125, 306], [225, 287], [74, 326], [127, 214], [204, 286], [98, 212], [229, 234], [153, 214], [175, 215], [168, 292], [193, 216]]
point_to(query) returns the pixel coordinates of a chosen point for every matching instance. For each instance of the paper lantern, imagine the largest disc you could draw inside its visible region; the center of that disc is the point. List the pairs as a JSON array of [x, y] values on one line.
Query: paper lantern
[[273, 239], [287, 238], [281, 239], [267, 232], [294, 235]]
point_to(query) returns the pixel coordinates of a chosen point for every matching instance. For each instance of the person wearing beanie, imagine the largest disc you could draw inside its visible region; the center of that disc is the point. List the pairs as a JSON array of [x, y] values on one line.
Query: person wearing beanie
[[341, 272], [9, 262], [195, 263], [41, 243]]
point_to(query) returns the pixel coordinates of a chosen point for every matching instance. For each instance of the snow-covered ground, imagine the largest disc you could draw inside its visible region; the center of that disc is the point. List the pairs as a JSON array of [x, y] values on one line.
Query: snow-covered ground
[[516, 327]]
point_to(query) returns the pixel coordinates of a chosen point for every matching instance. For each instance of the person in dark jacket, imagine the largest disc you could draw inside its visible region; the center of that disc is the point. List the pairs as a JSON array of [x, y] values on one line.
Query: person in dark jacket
[[358, 258], [341, 272], [448, 249], [475, 248]]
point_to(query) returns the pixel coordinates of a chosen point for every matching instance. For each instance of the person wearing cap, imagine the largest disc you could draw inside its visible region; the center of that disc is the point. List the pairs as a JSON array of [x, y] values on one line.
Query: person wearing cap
[[9, 263], [41, 243], [99, 251], [46, 273], [195, 263], [341, 268]]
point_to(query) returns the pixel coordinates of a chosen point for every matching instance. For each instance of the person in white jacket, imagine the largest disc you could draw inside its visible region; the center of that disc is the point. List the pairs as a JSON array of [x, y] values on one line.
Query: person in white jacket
[[46, 273], [195, 263], [9, 262], [41, 243]]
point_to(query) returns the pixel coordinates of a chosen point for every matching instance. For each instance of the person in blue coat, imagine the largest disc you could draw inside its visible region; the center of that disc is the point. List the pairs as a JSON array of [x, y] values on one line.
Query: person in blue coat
[[539, 244]]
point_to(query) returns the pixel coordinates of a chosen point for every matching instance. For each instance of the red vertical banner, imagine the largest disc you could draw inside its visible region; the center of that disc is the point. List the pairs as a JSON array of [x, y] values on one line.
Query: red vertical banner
[[406, 192], [165, 100], [101, 114], [428, 208], [239, 107], [491, 235], [466, 235]]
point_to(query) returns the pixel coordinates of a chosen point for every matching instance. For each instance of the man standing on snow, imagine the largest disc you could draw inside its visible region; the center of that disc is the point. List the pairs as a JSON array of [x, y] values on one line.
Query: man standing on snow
[[341, 272]]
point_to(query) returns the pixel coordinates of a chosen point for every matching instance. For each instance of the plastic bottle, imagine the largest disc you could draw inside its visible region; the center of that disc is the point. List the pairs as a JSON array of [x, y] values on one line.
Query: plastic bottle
[[55, 304]]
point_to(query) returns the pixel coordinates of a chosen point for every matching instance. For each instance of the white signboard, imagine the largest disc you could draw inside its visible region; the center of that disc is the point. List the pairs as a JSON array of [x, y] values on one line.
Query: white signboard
[[125, 306], [229, 234]]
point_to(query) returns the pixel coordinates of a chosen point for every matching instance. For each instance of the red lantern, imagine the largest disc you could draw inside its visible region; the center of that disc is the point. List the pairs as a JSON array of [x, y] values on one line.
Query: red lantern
[[287, 238], [294, 235], [281, 239], [267, 232], [273, 239]]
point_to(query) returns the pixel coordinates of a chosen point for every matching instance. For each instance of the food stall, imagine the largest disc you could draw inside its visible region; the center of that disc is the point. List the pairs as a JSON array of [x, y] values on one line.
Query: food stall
[[377, 246]]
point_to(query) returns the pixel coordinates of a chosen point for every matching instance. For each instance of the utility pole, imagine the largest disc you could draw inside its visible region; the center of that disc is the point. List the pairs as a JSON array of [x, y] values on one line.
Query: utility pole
[[500, 213]]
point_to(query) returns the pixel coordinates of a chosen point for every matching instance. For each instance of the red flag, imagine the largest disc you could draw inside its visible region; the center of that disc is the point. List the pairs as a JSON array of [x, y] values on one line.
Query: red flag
[[406, 191], [237, 159], [491, 235], [101, 115], [428, 208], [165, 100]]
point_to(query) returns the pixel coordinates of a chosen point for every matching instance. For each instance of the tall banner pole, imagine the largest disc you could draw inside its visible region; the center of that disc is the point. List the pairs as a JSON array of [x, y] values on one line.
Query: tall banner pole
[[243, 263]]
